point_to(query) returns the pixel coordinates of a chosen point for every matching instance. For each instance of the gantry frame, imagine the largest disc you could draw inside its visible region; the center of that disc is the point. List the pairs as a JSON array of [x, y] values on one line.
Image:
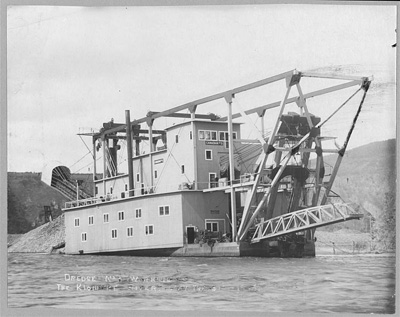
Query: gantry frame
[[291, 78]]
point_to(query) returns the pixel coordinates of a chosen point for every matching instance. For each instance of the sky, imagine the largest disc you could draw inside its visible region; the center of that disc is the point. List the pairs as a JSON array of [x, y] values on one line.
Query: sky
[[69, 69]]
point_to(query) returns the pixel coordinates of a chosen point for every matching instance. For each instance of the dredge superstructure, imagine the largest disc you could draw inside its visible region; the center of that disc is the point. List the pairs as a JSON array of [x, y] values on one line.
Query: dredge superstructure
[[202, 189]]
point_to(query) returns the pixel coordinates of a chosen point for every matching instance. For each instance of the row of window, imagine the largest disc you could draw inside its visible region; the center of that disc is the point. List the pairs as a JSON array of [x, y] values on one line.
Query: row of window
[[148, 230], [212, 135], [162, 211]]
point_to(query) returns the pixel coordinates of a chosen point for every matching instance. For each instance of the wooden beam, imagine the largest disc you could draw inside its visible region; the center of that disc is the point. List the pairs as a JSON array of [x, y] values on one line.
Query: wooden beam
[[295, 99], [208, 99], [188, 115], [331, 76]]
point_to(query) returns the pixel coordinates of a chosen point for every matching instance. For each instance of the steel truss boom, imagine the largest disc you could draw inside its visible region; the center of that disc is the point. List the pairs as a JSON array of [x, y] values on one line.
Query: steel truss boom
[[304, 219]]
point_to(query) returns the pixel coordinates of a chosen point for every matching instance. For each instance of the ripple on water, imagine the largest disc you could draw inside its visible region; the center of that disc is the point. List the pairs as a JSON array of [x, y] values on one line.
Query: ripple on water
[[323, 284]]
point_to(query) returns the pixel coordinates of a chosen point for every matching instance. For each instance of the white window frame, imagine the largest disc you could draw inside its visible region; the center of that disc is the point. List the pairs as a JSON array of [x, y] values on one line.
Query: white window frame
[[226, 137], [116, 233], [205, 155], [137, 177], [147, 230], [122, 212], [104, 218], [215, 220], [91, 217], [223, 135], [136, 213], [76, 224], [215, 183], [164, 208], [127, 232], [202, 132], [205, 135], [211, 223], [84, 234], [216, 135]]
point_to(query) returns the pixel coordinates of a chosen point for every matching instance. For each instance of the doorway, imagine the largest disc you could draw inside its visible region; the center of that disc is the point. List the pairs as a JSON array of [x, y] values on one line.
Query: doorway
[[190, 235]]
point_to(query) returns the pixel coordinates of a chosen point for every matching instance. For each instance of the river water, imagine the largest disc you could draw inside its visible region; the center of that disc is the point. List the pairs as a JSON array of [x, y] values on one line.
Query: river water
[[346, 284]]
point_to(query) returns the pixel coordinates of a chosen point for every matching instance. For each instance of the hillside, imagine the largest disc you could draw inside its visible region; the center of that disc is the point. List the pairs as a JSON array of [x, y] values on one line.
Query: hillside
[[367, 174], [26, 197], [367, 178]]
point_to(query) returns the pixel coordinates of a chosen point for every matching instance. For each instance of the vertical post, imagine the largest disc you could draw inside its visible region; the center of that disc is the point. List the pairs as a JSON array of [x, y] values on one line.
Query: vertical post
[[77, 193], [103, 139], [194, 136], [137, 149], [228, 99], [150, 125], [94, 167], [129, 148], [261, 116]]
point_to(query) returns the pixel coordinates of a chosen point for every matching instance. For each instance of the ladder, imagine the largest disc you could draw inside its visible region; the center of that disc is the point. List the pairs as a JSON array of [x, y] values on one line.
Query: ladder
[[303, 219]]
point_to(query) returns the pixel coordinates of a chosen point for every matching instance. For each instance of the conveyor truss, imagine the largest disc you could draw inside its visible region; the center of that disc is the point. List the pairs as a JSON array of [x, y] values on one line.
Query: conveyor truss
[[303, 219]]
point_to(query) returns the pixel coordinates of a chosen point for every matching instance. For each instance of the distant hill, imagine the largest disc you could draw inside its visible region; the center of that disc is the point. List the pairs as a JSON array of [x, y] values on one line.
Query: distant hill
[[367, 174], [367, 178], [27, 195]]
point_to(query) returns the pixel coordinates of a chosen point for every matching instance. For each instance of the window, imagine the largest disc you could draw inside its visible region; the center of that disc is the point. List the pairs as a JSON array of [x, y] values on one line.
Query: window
[[208, 155], [148, 229], [214, 135], [163, 210], [84, 237], [224, 136], [190, 135], [138, 212], [176, 138], [201, 135], [114, 234], [111, 190], [155, 174], [96, 190], [207, 135], [129, 231], [76, 222], [126, 187], [212, 226], [213, 181], [105, 218], [121, 215], [138, 177], [183, 169], [91, 220]]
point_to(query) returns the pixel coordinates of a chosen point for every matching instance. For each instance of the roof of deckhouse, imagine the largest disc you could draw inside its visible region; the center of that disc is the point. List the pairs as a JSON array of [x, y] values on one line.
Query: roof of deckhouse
[[201, 121]]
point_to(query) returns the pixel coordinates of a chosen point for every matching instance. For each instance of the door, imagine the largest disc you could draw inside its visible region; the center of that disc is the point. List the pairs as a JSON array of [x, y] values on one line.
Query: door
[[190, 235]]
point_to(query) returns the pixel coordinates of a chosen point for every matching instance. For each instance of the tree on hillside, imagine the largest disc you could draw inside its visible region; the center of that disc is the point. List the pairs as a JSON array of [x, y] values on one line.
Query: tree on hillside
[[384, 229], [17, 223]]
